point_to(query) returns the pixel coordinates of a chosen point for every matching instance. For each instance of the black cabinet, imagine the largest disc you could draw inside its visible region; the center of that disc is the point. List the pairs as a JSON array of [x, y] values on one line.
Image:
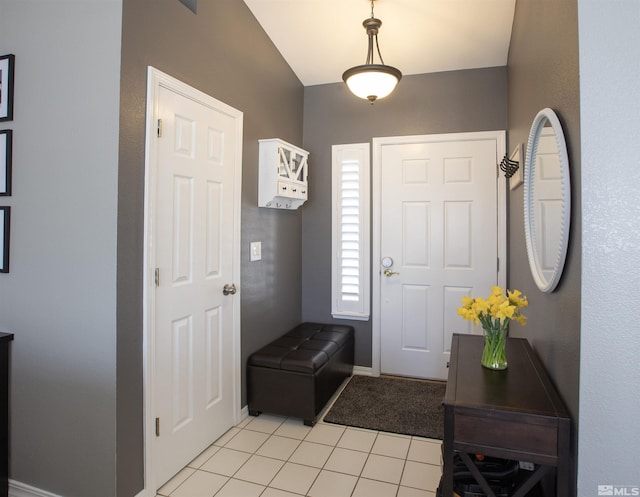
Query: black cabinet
[[5, 339]]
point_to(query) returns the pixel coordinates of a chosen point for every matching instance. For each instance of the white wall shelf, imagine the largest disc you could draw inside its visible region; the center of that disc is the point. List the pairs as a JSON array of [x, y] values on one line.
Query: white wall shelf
[[283, 175]]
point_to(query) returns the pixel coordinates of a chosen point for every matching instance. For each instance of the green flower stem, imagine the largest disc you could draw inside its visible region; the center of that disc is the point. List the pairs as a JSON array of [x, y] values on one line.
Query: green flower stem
[[494, 355]]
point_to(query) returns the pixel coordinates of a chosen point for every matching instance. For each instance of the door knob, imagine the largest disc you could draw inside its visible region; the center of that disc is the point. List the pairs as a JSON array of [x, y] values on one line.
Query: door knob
[[388, 272], [229, 289]]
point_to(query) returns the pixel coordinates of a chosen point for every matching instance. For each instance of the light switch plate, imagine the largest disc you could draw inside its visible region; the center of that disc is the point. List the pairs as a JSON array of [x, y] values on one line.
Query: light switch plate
[[256, 251]]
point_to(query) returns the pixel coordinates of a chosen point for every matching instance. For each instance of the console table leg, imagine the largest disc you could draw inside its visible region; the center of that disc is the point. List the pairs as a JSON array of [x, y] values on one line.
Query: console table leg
[[447, 454], [529, 483]]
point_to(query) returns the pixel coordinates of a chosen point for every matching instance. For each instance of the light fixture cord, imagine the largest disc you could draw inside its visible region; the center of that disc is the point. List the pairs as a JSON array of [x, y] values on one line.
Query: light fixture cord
[[371, 36]]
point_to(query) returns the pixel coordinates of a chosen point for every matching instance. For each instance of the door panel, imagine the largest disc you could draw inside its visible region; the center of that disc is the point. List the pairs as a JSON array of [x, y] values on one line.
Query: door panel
[[416, 224], [415, 316], [182, 377], [439, 224], [457, 235], [548, 205], [182, 216], [214, 227], [214, 350]]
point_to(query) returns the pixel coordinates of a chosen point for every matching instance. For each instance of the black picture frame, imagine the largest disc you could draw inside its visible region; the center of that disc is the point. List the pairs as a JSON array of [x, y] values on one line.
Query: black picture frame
[[192, 5], [6, 155], [5, 231], [7, 76]]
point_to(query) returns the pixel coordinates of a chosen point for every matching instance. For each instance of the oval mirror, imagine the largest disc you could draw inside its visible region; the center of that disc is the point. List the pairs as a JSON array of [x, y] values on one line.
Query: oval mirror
[[547, 200]]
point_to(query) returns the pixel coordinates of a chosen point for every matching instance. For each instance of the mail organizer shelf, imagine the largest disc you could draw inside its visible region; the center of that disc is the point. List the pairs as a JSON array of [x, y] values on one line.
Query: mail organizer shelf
[[283, 175]]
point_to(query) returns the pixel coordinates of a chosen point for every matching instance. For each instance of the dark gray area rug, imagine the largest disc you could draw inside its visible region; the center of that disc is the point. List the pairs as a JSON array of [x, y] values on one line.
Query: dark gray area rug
[[395, 405]]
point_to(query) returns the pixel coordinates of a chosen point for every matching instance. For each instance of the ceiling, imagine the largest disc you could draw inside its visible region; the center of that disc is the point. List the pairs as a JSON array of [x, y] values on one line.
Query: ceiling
[[320, 39]]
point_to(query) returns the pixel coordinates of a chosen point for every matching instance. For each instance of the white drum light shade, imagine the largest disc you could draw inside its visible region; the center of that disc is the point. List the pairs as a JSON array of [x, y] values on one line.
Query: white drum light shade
[[372, 81]]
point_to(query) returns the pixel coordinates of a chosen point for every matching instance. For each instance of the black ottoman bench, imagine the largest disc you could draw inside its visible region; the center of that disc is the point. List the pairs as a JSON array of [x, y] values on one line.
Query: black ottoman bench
[[297, 374]]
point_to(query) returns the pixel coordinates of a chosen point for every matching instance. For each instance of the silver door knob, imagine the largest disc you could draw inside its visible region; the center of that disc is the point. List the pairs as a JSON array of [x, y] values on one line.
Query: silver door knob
[[229, 289]]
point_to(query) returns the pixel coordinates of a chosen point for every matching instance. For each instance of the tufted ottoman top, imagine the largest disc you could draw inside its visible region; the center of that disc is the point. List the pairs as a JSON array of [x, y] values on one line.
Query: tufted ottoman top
[[304, 349]]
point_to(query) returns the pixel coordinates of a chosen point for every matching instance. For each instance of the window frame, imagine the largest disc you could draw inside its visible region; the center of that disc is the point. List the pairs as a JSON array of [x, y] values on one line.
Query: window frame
[[341, 307]]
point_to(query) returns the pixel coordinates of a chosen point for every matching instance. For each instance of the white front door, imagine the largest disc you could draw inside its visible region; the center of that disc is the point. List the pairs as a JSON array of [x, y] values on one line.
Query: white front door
[[438, 239], [194, 248]]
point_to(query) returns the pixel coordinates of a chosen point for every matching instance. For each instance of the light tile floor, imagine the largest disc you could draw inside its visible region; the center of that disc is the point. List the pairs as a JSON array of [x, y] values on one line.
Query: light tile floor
[[270, 456]]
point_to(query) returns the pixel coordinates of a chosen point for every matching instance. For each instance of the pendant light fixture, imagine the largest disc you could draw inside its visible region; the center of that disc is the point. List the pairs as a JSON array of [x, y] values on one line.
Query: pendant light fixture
[[372, 81]]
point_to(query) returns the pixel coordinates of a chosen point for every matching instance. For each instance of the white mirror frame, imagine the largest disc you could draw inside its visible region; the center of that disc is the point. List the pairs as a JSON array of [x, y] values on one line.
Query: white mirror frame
[[546, 283]]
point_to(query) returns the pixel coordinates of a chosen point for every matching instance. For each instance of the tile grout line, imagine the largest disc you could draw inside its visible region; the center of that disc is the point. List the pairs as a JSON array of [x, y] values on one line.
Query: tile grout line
[[288, 460], [299, 441], [255, 453], [333, 448]]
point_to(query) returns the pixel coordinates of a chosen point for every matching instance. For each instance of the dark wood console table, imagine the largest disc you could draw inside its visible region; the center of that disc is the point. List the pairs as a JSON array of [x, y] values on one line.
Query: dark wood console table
[[5, 338], [512, 414]]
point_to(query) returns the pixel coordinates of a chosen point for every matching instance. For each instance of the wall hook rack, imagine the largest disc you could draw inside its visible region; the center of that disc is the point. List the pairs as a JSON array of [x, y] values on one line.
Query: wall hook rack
[[509, 166]]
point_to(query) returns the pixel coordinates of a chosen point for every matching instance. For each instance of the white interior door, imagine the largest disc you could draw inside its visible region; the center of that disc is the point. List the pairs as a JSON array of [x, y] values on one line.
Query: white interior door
[[438, 241], [194, 244]]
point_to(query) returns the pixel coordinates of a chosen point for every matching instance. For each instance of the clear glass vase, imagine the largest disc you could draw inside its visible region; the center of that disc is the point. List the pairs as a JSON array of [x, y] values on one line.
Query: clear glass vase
[[494, 355]]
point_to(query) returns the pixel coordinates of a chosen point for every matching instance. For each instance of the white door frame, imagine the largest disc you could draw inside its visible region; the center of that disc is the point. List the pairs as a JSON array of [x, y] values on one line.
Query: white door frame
[[155, 80], [378, 143]]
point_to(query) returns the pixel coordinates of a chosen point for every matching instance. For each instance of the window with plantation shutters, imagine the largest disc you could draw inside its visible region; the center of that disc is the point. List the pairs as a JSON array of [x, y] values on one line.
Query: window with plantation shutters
[[350, 278]]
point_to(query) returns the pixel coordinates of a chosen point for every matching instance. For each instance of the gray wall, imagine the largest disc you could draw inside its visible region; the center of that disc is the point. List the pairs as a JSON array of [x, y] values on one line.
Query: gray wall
[[223, 52], [60, 296], [543, 72], [610, 335], [447, 102]]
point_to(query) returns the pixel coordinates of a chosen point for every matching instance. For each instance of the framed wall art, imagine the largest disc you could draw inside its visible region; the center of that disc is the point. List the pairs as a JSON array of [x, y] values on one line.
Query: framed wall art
[[7, 63], [6, 152], [5, 223]]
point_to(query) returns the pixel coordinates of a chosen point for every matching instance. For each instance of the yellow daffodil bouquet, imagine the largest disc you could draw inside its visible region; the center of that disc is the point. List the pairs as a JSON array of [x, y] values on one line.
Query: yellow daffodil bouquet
[[494, 314]]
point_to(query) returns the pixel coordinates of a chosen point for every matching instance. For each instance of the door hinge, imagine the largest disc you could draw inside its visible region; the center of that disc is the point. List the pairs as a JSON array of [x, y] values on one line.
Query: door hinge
[[156, 277], [157, 427], [159, 128], [498, 264]]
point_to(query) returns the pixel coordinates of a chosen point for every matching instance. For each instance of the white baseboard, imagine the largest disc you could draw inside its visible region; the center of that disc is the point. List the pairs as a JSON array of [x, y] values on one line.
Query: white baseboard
[[244, 413], [19, 489], [143, 493], [362, 371]]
